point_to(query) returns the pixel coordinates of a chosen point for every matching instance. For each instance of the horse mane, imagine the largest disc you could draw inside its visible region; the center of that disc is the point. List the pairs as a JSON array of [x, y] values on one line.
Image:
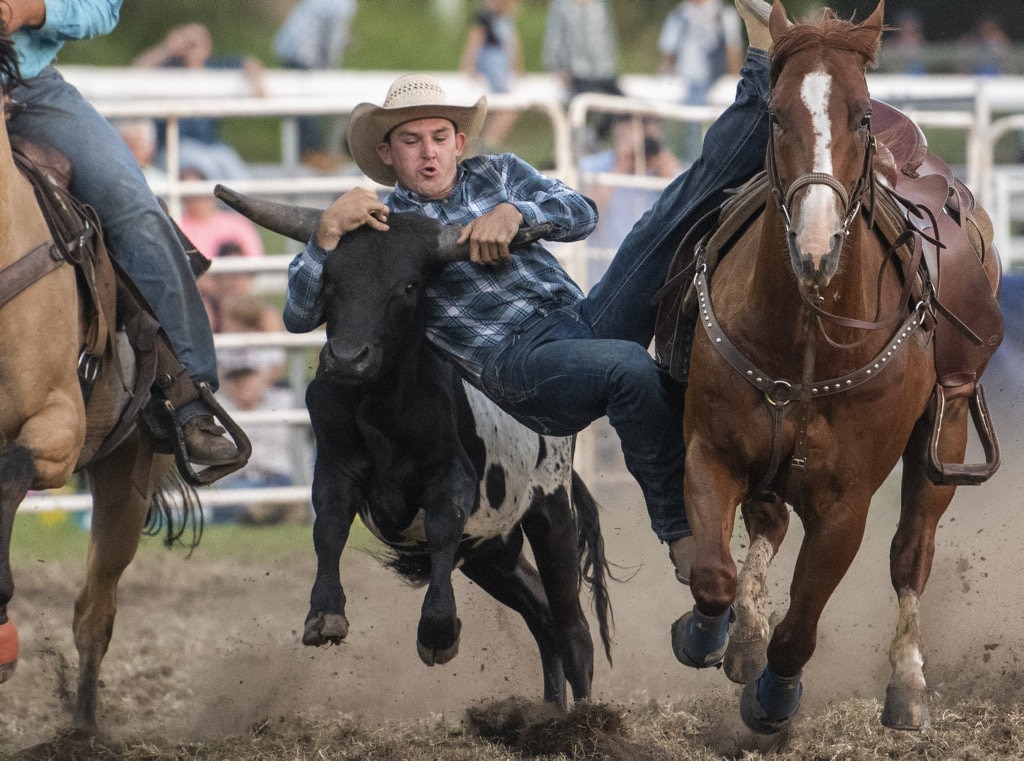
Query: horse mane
[[828, 33]]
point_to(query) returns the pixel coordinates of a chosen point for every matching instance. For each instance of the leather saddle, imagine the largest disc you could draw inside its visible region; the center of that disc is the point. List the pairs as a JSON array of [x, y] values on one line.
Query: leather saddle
[[125, 351]]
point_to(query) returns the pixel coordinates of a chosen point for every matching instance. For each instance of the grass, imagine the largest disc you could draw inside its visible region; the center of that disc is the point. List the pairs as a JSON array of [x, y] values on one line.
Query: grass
[[42, 537]]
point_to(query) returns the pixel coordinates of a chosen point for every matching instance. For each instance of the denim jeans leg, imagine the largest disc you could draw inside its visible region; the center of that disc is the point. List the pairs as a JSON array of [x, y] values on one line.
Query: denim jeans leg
[[558, 386], [141, 238], [621, 304]]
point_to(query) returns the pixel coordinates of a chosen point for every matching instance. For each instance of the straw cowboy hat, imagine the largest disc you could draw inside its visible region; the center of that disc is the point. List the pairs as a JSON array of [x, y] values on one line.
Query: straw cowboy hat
[[411, 97]]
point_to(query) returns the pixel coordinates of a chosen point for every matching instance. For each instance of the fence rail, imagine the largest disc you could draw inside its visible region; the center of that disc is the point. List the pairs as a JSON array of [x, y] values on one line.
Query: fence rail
[[985, 110]]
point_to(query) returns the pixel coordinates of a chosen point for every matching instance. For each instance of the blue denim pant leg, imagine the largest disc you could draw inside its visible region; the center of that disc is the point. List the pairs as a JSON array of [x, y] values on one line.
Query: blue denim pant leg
[[621, 304], [557, 378], [141, 238]]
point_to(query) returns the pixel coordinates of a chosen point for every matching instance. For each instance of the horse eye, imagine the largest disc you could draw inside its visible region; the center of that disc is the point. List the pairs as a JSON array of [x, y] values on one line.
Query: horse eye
[[774, 118], [865, 121]]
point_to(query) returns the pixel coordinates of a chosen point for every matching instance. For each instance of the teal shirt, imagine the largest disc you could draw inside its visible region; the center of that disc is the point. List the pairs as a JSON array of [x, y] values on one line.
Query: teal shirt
[[65, 20]]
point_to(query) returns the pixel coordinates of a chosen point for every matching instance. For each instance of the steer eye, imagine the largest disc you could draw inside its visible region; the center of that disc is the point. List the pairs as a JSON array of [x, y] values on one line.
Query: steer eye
[[411, 286]]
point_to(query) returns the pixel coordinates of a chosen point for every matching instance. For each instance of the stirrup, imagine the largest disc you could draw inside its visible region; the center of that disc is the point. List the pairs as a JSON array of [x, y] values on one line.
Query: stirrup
[[212, 473], [963, 474]]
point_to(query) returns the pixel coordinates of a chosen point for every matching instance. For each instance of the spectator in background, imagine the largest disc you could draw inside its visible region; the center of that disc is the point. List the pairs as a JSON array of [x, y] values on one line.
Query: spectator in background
[[986, 48], [209, 225], [314, 36], [246, 387], [140, 137], [217, 287], [493, 51], [242, 311], [638, 149], [700, 41], [190, 46], [903, 48], [581, 47]]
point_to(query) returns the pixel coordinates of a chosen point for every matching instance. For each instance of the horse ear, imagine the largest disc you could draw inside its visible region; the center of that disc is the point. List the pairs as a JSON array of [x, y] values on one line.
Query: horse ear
[[777, 21], [871, 29], [295, 222]]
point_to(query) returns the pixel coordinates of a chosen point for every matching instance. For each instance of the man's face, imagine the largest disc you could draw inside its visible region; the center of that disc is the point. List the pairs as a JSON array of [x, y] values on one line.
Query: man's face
[[423, 154]]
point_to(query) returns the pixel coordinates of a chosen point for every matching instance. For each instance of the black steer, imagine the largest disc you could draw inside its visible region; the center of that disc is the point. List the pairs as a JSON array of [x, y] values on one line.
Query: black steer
[[434, 469]]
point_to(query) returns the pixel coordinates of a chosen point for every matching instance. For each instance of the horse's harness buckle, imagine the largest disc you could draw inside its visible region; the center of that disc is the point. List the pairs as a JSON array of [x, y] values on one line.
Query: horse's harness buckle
[[779, 394]]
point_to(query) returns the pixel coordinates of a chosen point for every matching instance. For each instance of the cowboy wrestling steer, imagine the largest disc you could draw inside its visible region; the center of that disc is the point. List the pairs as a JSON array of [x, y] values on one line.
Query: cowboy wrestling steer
[[434, 469]]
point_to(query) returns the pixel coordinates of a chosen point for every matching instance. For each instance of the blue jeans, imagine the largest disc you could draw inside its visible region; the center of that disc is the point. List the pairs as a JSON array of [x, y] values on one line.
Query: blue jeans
[[569, 368], [106, 176]]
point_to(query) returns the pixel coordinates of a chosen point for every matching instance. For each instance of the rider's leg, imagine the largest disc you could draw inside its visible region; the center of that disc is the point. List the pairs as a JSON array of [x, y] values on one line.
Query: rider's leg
[[621, 304], [107, 177]]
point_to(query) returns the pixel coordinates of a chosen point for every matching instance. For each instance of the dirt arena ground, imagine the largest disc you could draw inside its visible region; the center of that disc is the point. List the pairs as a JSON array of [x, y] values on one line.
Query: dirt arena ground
[[205, 649]]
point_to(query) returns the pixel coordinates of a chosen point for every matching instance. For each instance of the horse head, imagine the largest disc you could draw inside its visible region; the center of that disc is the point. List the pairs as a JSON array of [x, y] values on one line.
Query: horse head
[[820, 145]]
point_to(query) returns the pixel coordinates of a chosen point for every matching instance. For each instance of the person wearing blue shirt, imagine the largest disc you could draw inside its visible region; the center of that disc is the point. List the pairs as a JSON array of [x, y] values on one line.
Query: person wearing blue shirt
[[517, 326], [107, 177]]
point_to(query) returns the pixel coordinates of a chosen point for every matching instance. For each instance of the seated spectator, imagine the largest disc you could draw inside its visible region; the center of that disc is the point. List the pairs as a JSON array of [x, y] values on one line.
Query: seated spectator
[[190, 46], [246, 387], [243, 312], [210, 226], [637, 149], [140, 135]]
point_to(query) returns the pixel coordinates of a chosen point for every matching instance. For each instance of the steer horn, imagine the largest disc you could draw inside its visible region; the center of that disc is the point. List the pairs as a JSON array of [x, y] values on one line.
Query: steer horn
[[295, 222], [300, 222]]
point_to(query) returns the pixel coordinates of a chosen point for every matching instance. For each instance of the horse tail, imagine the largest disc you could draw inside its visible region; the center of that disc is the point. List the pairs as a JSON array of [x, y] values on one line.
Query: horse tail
[[175, 511], [593, 565]]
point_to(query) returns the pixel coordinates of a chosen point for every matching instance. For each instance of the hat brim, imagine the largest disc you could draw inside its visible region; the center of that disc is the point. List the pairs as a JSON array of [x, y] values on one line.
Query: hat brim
[[369, 124]]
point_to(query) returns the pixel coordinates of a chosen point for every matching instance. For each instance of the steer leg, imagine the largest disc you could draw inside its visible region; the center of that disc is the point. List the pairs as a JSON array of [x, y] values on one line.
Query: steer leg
[[338, 470], [437, 636], [501, 570]]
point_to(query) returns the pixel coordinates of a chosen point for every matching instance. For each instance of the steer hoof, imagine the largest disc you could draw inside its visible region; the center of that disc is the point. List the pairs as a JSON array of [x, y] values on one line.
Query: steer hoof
[[8, 650], [325, 629], [433, 656]]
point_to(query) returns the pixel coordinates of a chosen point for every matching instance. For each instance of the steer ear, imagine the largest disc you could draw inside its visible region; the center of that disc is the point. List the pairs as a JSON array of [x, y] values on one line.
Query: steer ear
[[449, 249], [296, 222]]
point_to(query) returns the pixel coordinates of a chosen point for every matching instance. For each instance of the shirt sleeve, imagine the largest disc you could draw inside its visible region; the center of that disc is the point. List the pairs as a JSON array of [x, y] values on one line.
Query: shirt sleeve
[[303, 306], [542, 199], [79, 19]]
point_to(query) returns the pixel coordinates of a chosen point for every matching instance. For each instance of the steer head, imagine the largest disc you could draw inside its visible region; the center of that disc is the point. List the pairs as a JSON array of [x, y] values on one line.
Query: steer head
[[372, 285]]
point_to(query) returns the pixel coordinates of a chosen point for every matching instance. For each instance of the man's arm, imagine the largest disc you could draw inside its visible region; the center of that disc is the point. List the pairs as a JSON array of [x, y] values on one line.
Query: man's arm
[[303, 307]]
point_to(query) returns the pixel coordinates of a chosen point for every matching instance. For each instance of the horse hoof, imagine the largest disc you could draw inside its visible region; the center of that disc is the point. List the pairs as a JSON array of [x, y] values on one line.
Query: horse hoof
[[700, 641], [769, 703], [744, 661], [8, 650], [325, 629], [906, 708], [434, 656]]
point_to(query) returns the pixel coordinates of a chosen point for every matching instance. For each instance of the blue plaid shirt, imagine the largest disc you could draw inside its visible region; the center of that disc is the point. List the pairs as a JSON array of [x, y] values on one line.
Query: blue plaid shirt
[[471, 308]]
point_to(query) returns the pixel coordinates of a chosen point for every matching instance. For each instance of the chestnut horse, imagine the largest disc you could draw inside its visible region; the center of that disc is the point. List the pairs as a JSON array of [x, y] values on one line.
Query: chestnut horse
[[46, 432], [814, 373]]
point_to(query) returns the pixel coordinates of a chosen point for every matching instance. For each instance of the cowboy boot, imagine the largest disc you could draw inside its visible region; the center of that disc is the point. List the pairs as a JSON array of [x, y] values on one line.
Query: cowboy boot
[[205, 442]]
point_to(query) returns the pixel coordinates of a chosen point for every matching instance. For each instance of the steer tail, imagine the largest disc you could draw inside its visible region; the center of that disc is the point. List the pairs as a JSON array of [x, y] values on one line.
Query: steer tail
[[593, 565]]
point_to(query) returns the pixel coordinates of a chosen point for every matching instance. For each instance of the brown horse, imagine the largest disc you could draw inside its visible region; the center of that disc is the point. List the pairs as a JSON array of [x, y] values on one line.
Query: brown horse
[[815, 372], [46, 432]]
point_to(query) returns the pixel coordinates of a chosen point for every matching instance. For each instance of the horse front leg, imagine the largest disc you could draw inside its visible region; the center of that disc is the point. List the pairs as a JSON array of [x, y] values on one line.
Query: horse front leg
[[123, 485], [17, 472], [746, 655], [437, 635], [910, 563], [700, 637], [831, 540]]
